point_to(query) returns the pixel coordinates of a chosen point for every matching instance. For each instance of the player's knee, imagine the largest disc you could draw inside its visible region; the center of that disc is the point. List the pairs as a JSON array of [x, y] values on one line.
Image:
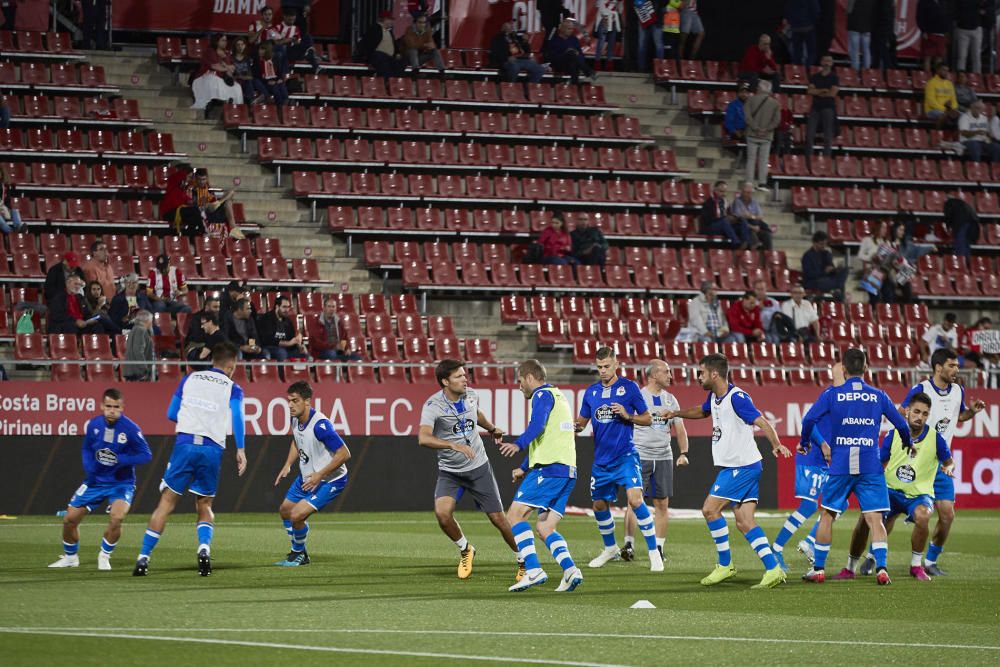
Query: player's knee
[[71, 521], [300, 514], [744, 524], [600, 505], [443, 515]]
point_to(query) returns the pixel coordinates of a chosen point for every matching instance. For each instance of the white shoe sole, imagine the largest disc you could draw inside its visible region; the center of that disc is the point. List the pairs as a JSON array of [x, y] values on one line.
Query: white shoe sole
[[605, 558], [60, 564], [104, 564], [522, 586], [568, 586]]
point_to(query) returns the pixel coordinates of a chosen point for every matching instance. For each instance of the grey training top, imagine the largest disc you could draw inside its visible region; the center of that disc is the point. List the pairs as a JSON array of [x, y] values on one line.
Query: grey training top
[[455, 422], [653, 442]]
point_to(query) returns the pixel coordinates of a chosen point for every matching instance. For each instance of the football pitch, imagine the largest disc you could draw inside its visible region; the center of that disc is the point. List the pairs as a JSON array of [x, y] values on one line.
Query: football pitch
[[382, 589]]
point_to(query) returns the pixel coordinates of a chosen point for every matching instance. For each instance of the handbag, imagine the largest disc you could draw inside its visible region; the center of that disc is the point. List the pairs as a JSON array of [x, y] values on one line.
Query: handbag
[[25, 324]]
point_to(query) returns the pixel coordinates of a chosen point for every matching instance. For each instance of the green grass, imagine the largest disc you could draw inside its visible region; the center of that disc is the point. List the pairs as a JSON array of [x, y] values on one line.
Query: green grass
[[386, 582]]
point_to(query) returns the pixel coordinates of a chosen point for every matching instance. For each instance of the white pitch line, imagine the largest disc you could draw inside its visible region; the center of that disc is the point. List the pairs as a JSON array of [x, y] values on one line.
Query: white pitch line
[[501, 633], [321, 649]]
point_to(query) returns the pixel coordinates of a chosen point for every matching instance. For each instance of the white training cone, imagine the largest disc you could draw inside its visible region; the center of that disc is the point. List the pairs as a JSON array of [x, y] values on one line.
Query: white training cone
[[643, 604]]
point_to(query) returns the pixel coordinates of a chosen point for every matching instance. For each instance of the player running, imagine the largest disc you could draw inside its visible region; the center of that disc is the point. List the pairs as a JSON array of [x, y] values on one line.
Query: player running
[[113, 446], [322, 457], [855, 412], [547, 475], [657, 458], [614, 405], [205, 406], [448, 424], [734, 449]]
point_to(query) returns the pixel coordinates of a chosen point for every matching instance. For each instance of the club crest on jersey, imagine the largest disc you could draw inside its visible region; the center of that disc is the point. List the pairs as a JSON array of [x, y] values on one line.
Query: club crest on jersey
[[942, 425], [463, 426], [604, 414], [122, 438], [905, 474], [620, 391]]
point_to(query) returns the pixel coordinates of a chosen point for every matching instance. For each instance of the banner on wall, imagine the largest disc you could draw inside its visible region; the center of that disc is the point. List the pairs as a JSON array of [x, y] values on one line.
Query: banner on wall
[[473, 23], [205, 16]]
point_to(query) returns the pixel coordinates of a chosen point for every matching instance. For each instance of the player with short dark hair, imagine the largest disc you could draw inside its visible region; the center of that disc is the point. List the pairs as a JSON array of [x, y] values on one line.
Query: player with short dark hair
[[113, 445]]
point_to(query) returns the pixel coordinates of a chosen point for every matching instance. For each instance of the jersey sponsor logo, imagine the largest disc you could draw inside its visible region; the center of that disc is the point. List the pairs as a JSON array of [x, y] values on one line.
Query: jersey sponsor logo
[[659, 421], [303, 457], [604, 414], [463, 426], [942, 425], [906, 474], [863, 396], [858, 421], [716, 434], [106, 457], [855, 442]]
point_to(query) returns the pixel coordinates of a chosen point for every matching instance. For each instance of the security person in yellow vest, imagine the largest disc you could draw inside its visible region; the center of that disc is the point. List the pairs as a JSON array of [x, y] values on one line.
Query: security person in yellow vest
[[672, 29], [548, 475]]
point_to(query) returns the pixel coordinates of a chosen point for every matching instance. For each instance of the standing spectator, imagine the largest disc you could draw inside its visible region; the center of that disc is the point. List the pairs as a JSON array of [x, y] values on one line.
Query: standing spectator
[[213, 80], [10, 217], [649, 30], [735, 122], [803, 315], [98, 268], [706, 319], [270, 75], [556, 242], [607, 27], [277, 333], [690, 25], [884, 35], [964, 94], [139, 347], [201, 350], [940, 336], [589, 244], [672, 29], [802, 16], [818, 270], [419, 46], [325, 341], [747, 210], [860, 21], [257, 32], [216, 211], [167, 285], [566, 54], [195, 332], [940, 103], [9, 10], [552, 13], [969, 16], [974, 131], [769, 307], [240, 329], [763, 116], [290, 43], [963, 223], [510, 54], [744, 319], [934, 21], [68, 311], [127, 303], [55, 278], [758, 63], [243, 71], [93, 23], [717, 219], [379, 48]]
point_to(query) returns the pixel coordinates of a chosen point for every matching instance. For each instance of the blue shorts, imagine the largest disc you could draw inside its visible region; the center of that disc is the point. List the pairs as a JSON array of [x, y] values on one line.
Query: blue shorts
[[944, 487], [740, 485], [319, 497], [605, 480], [91, 497], [900, 503], [193, 468], [809, 481], [869, 489], [545, 493]]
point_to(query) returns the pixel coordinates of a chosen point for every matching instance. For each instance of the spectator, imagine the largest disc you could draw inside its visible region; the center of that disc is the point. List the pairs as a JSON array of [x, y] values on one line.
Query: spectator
[[972, 352], [649, 30], [98, 268], [690, 25], [196, 332], [860, 21], [758, 63], [802, 16], [217, 211], [940, 103], [884, 35], [706, 320], [68, 311], [716, 219], [818, 270], [994, 124], [905, 246], [871, 243], [177, 206], [934, 21], [98, 306], [803, 315], [735, 122], [139, 347], [201, 350], [969, 15], [277, 333], [167, 285], [589, 244], [552, 13], [566, 54], [93, 23], [379, 48], [763, 115], [556, 242], [769, 307], [270, 74], [243, 71], [4, 116], [291, 44], [974, 131], [10, 217], [823, 88], [511, 54], [749, 214], [744, 319], [257, 32], [607, 27], [55, 278], [9, 10], [783, 135], [325, 341], [213, 80], [240, 329], [878, 258], [964, 94], [127, 303], [940, 336], [235, 291], [963, 223], [672, 29], [419, 46]]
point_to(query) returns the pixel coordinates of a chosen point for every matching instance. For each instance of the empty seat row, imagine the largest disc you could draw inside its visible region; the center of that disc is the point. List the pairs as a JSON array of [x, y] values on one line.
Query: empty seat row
[[966, 286], [124, 244], [49, 108], [191, 49], [861, 200], [130, 143], [54, 76], [892, 170], [850, 108], [98, 176], [842, 230], [27, 41]]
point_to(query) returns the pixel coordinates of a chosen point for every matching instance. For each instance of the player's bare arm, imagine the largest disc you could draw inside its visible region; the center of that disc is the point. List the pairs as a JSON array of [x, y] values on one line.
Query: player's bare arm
[[777, 448], [340, 457], [425, 438], [508, 449], [241, 462], [680, 431], [975, 405], [293, 455], [580, 423], [488, 426], [516, 475], [688, 413]]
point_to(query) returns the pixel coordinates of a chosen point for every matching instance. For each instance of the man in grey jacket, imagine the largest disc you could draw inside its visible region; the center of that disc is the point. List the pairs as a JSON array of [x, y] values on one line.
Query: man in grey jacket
[[139, 347], [706, 317], [763, 115]]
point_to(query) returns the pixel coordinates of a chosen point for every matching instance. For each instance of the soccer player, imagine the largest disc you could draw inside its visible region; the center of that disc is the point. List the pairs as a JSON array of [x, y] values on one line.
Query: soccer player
[[615, 406], [448, 424], [113, 446], [205, 406], [322, 457], [653, 445], [547, 474], [948, 408], [734, 449], [855, 410]]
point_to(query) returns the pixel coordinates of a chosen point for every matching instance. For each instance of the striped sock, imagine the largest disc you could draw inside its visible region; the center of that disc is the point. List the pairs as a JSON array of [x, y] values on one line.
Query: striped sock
[[557, 545], [758, 540], [71, 548], [645, 522], [606, 524], [811, 537], [299, 536], [881, 552], [205, 532], [107, 547], [933, 553], [525, 540], [288, 526], [720, 533], [822, 551], [660, 541], [149, 541], [792, 523]]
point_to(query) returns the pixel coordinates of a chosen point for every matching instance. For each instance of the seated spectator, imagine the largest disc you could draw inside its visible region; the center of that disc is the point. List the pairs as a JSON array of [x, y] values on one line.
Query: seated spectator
[[270, 75], [257, 32], [325, 341], [803, 315], [277, 333], [557, 244], [972, 352], [940, 336], [769, 307], [566, 54], [68, 311], [235, 290], [589, 244], [510, 53], [240, 329], [940, 103], [201, 350], [974, 131], [243, 71], [964, 94], [870, 244], [98, 268], [379, 48], [98, 306], [905, 245], [127, 303], [758, 63], [744, 319], [419, 46], [166, 286], [56, 276], [707, 322], [717, 219], [216, 211], [290, 43], [213, 80], [139, 347], [747, 210], [963, 223], [195, 331], [818, 270], [824, 86], [735, 122], [177, 206], [10, 217]]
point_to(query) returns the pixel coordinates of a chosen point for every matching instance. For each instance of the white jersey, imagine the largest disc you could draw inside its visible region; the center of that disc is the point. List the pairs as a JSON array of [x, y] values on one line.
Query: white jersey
[[733, 444], [653, 442], [205, 411], [317, 441], [946, 406]]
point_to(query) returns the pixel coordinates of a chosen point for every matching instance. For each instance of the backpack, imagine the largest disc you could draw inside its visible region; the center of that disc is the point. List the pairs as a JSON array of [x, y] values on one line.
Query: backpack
[[25, 325], [534, 255], [783, 327]]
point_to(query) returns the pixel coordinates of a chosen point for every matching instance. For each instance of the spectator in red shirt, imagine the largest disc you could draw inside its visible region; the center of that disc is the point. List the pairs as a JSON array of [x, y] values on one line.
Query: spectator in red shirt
[[556, 243], [325, 340], [758, 63], [744, 319], [177, 206]]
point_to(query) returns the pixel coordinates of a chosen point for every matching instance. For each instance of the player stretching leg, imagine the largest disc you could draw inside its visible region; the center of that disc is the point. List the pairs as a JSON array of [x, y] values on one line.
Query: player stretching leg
[[548, 474], [322, 457], [614, 406], [112, 446], [205, 405], [854, 411], [657, 458], [448, 424], [735, 451]]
